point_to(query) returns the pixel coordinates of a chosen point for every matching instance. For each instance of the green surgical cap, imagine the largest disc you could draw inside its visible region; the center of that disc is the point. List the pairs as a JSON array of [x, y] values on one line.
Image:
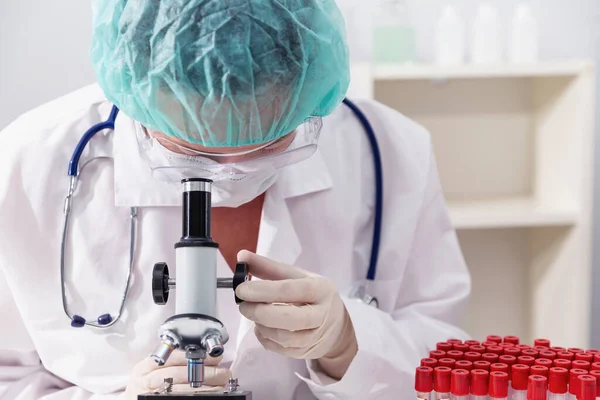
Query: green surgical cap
[[221, 73]]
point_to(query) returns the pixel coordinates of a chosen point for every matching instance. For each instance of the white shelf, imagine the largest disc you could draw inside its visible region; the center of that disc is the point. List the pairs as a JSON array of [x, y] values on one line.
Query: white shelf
[[432, 72], [507, 213]]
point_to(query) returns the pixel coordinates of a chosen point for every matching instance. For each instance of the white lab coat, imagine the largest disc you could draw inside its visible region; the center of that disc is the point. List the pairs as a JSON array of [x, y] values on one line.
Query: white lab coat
[[317, 216]]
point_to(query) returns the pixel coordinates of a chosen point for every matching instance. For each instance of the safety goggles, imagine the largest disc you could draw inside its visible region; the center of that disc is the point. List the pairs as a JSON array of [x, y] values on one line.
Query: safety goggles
[[170, 161]]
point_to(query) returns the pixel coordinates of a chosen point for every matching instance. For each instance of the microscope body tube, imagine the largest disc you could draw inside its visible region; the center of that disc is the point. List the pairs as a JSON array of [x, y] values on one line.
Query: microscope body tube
[[196, 253]]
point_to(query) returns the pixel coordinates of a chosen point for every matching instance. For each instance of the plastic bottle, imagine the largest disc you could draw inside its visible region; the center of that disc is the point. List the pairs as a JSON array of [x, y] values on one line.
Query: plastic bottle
[[523, 46], [487, 36], [394, 37], [450, 38]]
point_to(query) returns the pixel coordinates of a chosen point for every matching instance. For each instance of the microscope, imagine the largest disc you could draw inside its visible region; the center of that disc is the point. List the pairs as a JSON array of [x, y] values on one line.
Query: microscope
[[194, 327]]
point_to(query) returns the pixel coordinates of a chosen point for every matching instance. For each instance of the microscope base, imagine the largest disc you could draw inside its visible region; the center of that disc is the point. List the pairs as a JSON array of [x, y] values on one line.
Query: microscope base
[[199, 396]]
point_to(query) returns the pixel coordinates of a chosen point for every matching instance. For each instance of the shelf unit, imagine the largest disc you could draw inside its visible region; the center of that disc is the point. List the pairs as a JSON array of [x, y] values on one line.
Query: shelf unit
[[514, 146]]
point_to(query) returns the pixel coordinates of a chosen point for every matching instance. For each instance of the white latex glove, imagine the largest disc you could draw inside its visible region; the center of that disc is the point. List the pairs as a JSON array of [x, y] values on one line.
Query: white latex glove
[[147, 376], [298, 314]]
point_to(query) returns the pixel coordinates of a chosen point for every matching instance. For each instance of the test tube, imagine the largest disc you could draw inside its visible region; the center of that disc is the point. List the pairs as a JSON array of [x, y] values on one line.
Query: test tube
[[459, 384], [557, 383], [472, 356], [593, 351], [499, 350], [539, 370], [596, 374], [566, 355], [580, 364], [441, 382], [443, 346], [510, 361], [595, 366], [574, 384], [523, 346], [499, 367], [479, 384], [542, 343], [505, 345], [512, 339], [520, 376], [512, 351], [424, 383], [472, 343], [477, 349], [429, 362], [527, 360], [464, 364], [494, 338], [576, 350], [491, 357], [487, 344], [498, 385], [537, 388], [550, 355], [587, 390], [457, 355], [557, 349], [454, 341]]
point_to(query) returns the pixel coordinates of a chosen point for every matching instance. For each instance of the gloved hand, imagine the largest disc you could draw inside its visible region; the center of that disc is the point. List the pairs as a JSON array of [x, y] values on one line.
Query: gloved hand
[[147, 376], [298, 314]]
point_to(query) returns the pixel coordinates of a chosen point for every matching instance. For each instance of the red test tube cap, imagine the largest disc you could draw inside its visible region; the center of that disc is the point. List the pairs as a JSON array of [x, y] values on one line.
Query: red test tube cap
[[454, 341], [541, 342], [576, 350], [596, 357], [587, 390], [505, 345], [596, 374], [494, 338], [523, 346], [530, 352], [580, 364], [562, 363], [424, 380], [539, 370], [499, 367], [527, 360], [520, 374], [472, 342], [550, 355], [464, 364], [479, 382], [429, 362], [509, 360], [443, 346], [484, 365], [491, 357], [457, 355], [496, 350], [593, 351], [537, 388], [544, 362], [512, 351], [595, 366], [573, 382], [437, 354], [557, 349], [558, 380], [512, 339], [447, 362], [441, 379], [461, 347], [566, 355], [459, 383], [487, 344], [477, 349], [585, 357], [472, 356], [498, 385]]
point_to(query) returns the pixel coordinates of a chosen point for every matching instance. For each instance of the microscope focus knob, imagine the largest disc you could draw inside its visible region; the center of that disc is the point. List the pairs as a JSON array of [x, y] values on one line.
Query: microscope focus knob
[[160, 284], [240, 276]]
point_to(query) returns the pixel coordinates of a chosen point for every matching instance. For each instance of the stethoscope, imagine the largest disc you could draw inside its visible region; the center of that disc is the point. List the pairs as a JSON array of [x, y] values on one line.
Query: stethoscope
[[107, 320]]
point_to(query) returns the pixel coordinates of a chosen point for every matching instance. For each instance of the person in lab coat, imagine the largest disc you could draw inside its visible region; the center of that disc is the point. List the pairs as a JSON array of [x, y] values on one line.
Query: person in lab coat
[[200, 84]]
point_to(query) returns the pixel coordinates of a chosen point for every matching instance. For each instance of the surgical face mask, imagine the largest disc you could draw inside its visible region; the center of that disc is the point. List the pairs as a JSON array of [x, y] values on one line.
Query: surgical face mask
[[238, 178]]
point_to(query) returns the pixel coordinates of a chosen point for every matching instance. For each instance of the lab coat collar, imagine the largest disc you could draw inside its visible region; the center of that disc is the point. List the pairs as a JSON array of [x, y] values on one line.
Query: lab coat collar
[[135, 186]]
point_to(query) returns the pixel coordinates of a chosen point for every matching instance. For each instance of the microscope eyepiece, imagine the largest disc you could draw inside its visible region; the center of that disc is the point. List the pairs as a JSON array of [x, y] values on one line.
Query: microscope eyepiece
[[196, 213]]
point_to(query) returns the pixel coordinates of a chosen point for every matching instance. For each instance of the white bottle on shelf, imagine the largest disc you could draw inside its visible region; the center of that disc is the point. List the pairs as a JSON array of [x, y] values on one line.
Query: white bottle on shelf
[[450, 38], [487, 36], [523, 46]]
